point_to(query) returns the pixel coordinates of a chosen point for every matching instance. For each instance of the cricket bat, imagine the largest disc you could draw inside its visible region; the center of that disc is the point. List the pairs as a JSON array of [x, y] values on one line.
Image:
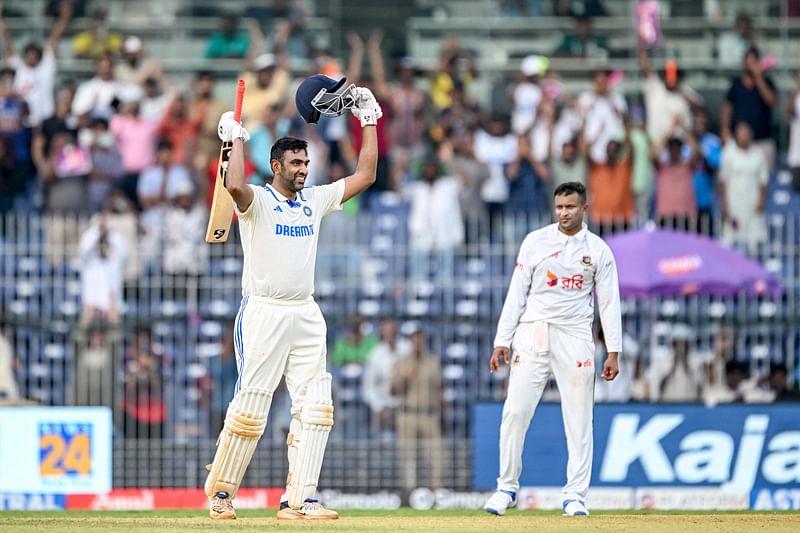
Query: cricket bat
[[219, 220]]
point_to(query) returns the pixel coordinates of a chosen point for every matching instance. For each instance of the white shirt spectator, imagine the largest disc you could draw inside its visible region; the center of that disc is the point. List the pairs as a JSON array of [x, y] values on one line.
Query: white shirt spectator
[[621, 389], [662, 106], [744, 172], [377, 379], [495, 152], [526, 98], [102, 269], [95, 96], [150, 184], [184, 239], [435, 221], [36, 84], [602, 115], [8, 385]]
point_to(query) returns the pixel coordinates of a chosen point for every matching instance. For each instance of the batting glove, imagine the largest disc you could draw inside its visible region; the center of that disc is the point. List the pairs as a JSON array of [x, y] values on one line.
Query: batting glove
[[367, 110], [229, 129]]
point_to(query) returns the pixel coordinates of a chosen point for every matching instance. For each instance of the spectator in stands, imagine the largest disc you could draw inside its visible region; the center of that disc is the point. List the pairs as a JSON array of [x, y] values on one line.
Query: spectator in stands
[[529, 190], [103, 256], [496, 147], [62, 121], [9, 392], [417, 382], [267, 77], [181, 128], [793, 117], [666, 102], [676, 207], [98, 349], [736, 374], [378, 372], [581, 42], [705, 171], [603, 115], [569, 164], [354, 346], [472, 174], [14, 114], [463, 114], [159, 184], [743, 178], [13, 179], [610, 193], [185, 255], [229, 42], [733, 44], [203, 104], [435, 221], [133, 68], [97, 96], [143, 401], [272, 126], [35, 71], [780, 386], [135, 138], [750, 99], [715, 388], [643, 176], [64, 176], [96, 41], [107, 170], [121, 218], [456, 66], [526, 94], [682, 382], [158, 95]]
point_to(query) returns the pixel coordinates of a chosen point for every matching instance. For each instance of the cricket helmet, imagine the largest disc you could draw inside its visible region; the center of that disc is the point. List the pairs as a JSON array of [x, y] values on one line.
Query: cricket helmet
[[320, 95]]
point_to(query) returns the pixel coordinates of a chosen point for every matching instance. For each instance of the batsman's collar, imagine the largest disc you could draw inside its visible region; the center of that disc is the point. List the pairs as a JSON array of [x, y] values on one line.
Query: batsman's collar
[[281, 198]]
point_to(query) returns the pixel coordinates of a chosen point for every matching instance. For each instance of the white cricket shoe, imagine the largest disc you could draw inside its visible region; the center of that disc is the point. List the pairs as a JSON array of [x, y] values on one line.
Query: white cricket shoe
[[575, 508], [500, 501], [222, 507], [310, 510]]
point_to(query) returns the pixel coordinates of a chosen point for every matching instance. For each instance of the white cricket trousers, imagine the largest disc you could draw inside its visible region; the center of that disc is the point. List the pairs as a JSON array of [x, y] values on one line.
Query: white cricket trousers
[[571, 360], [274, 338]]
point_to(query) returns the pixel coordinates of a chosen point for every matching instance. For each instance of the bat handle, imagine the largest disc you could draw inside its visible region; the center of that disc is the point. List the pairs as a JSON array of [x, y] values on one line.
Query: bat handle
[[237, 110]]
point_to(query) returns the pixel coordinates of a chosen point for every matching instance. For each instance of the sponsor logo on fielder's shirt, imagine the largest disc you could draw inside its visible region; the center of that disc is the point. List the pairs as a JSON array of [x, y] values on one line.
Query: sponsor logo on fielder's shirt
[[553, 279], [294, 231], [587, 362], [572, 282]]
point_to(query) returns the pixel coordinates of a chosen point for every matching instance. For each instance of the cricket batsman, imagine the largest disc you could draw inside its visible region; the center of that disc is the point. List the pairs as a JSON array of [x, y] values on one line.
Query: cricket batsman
[[279, 329], [546, 323]]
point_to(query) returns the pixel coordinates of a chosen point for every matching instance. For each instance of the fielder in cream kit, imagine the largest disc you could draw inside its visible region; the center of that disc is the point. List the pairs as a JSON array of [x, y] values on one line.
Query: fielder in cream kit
[[279, 329], [546, 322]]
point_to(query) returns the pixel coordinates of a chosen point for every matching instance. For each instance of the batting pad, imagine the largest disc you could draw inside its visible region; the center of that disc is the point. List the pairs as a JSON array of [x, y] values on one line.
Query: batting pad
[[244, 424], [316, 420]]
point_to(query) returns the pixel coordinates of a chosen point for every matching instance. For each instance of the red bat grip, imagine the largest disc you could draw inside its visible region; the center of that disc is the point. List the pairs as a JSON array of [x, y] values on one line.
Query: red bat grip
[[237, 110]]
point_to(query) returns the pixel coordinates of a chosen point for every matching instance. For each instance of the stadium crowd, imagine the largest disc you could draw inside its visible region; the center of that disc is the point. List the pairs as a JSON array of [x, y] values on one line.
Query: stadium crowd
[[134, 155]]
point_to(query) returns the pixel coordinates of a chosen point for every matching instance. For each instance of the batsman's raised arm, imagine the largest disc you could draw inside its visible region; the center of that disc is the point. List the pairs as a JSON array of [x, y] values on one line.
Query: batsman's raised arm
[[367, 111], [230, 130]]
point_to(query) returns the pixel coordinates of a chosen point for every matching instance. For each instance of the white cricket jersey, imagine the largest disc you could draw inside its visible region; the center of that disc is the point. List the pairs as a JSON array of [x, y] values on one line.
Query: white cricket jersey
[[279, 239], [554, 280]]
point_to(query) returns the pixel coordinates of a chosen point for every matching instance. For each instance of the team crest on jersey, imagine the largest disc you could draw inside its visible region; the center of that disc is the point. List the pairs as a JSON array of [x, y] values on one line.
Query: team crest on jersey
[[586, 260], [306, 211]]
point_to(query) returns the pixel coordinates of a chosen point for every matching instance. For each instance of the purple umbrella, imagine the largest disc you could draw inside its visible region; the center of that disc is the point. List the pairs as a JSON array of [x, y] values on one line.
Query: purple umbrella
[[654, 262]]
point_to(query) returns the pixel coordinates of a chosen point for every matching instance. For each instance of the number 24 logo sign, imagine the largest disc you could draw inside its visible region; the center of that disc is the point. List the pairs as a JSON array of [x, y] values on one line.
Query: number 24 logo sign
[[65, 449]]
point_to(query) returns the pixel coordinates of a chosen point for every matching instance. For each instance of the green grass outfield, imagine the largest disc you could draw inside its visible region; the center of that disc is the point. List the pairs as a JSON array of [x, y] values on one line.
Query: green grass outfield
[[406, 520]]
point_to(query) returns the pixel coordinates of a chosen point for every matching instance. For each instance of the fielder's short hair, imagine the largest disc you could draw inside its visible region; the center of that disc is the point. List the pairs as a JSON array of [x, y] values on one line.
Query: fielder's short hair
[[285, 144], [571, 187]]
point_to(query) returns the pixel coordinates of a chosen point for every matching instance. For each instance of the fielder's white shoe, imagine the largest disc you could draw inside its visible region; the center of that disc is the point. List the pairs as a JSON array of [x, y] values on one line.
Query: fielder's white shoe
[[222, 507], [575, 508], [310, 510], [500, 501]]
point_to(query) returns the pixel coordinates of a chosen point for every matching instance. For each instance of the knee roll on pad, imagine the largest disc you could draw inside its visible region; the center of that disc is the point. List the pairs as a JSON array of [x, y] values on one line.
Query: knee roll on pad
[[308, 439], [244, 424]]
